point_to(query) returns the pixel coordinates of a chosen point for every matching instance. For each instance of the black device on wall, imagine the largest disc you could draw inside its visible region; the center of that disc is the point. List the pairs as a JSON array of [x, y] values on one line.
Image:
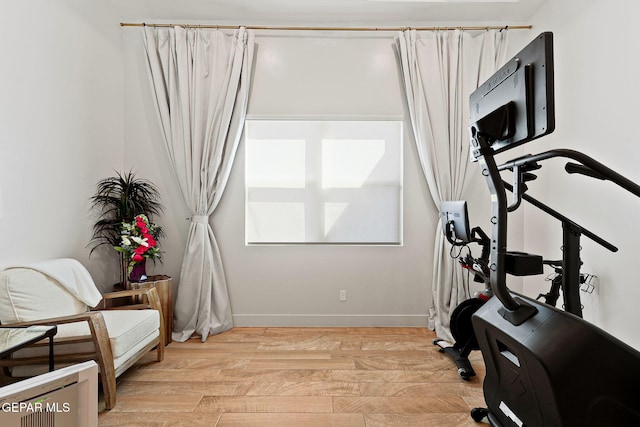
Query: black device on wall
[[544, 366], [455, 221]]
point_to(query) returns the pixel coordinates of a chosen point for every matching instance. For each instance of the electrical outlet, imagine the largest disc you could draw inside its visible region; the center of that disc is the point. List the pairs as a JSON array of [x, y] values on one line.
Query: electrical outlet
[[343, 295]]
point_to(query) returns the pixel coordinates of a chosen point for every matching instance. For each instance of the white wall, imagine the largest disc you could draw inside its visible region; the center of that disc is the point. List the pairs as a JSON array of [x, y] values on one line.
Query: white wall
[[62, 129], [60, 126], [597, 92], [305, 75]]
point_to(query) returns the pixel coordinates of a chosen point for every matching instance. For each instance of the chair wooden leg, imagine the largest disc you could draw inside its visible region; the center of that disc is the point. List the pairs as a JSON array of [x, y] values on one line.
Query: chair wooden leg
[[109, 391], [104, 358], [160, 354], [154, 301]]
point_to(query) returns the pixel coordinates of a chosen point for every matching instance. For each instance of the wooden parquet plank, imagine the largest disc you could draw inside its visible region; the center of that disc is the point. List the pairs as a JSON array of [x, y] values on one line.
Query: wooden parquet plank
[[245, 404], [344, 377], [291, 420]]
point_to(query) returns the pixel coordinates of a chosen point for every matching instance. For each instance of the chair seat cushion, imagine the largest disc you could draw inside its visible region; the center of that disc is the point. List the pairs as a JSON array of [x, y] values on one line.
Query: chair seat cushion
[[127, 329], [125, 332]]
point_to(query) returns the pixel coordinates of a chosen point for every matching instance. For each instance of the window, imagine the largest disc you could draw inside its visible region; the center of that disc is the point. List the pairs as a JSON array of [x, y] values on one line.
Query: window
[[318, 181]]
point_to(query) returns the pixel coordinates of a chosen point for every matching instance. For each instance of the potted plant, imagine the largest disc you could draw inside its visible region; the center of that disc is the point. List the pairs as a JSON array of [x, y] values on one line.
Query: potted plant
[[120, 200]]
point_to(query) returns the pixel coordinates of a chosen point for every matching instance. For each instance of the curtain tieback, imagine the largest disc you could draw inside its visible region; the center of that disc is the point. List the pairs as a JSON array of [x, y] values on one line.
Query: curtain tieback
[[200, 219]]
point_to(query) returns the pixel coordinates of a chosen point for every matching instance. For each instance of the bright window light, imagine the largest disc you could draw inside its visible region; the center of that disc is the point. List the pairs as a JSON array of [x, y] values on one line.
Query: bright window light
[[322, 181], [350, 162], [276, 221], [275, 163]]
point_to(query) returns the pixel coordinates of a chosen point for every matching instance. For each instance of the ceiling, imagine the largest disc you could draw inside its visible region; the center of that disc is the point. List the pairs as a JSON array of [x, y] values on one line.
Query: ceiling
[[329, 12]]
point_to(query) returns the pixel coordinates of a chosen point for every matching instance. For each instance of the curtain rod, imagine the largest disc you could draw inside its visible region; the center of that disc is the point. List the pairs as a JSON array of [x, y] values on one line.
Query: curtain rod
[[266, 27]]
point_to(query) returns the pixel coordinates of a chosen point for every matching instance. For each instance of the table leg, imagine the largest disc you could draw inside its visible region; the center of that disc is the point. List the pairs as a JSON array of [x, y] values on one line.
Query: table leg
[[51, 353]]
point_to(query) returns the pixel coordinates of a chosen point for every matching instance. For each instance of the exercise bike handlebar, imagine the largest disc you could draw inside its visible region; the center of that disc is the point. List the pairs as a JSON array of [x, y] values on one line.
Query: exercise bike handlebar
[[572, 168], [516, 312], [557, 215], [594, 168]]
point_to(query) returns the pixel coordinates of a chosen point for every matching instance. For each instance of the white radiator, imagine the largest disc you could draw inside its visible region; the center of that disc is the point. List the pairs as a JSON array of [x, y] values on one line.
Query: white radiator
[[66, 397]]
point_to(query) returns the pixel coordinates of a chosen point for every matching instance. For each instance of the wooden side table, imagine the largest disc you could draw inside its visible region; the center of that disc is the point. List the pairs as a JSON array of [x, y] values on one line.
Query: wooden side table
[[164, 287]]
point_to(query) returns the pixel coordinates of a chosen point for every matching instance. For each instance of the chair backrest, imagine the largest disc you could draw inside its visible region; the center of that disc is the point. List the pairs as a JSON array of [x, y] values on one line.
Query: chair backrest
[[28, 295]]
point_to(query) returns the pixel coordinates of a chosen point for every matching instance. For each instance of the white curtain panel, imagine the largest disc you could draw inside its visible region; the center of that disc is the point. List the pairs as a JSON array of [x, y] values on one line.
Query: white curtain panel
[[440, 70], [200, 79]]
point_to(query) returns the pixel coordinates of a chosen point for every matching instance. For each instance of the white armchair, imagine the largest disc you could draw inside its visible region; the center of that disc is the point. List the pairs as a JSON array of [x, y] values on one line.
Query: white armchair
[[61, 292]]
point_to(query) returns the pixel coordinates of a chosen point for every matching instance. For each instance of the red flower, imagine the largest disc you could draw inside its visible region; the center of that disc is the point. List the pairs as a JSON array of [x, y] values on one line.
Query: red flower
[[137, 258], [140, 250], [150, 240], [142, 225]]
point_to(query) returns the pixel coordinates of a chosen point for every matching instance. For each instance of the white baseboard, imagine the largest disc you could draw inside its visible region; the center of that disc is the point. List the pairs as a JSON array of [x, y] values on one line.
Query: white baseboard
[[331, 320]]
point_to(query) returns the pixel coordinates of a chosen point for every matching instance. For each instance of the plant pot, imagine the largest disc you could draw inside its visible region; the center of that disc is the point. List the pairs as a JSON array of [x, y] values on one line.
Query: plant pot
[[139, 271]]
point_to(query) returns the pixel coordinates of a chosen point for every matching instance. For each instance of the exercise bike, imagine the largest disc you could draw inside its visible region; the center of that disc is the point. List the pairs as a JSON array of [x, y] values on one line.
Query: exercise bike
[[538, 358], [455, 225]]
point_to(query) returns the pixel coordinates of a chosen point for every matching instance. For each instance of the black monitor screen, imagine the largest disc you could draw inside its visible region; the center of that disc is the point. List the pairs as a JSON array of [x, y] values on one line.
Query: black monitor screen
[[516, 104], [455, 221]]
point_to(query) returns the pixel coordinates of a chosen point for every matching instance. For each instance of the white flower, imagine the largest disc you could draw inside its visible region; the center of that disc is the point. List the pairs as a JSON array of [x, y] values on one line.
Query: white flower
[[126, 241], [140, 241]]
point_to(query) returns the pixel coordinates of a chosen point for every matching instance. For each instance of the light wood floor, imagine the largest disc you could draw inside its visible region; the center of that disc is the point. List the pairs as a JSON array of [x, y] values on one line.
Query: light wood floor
[[305, 377]]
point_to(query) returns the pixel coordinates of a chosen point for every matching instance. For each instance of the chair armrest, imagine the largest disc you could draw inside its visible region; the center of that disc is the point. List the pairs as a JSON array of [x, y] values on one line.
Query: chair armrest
[[87, 316], [99, 336], [151, 294], [153, 302], [126, 293]]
